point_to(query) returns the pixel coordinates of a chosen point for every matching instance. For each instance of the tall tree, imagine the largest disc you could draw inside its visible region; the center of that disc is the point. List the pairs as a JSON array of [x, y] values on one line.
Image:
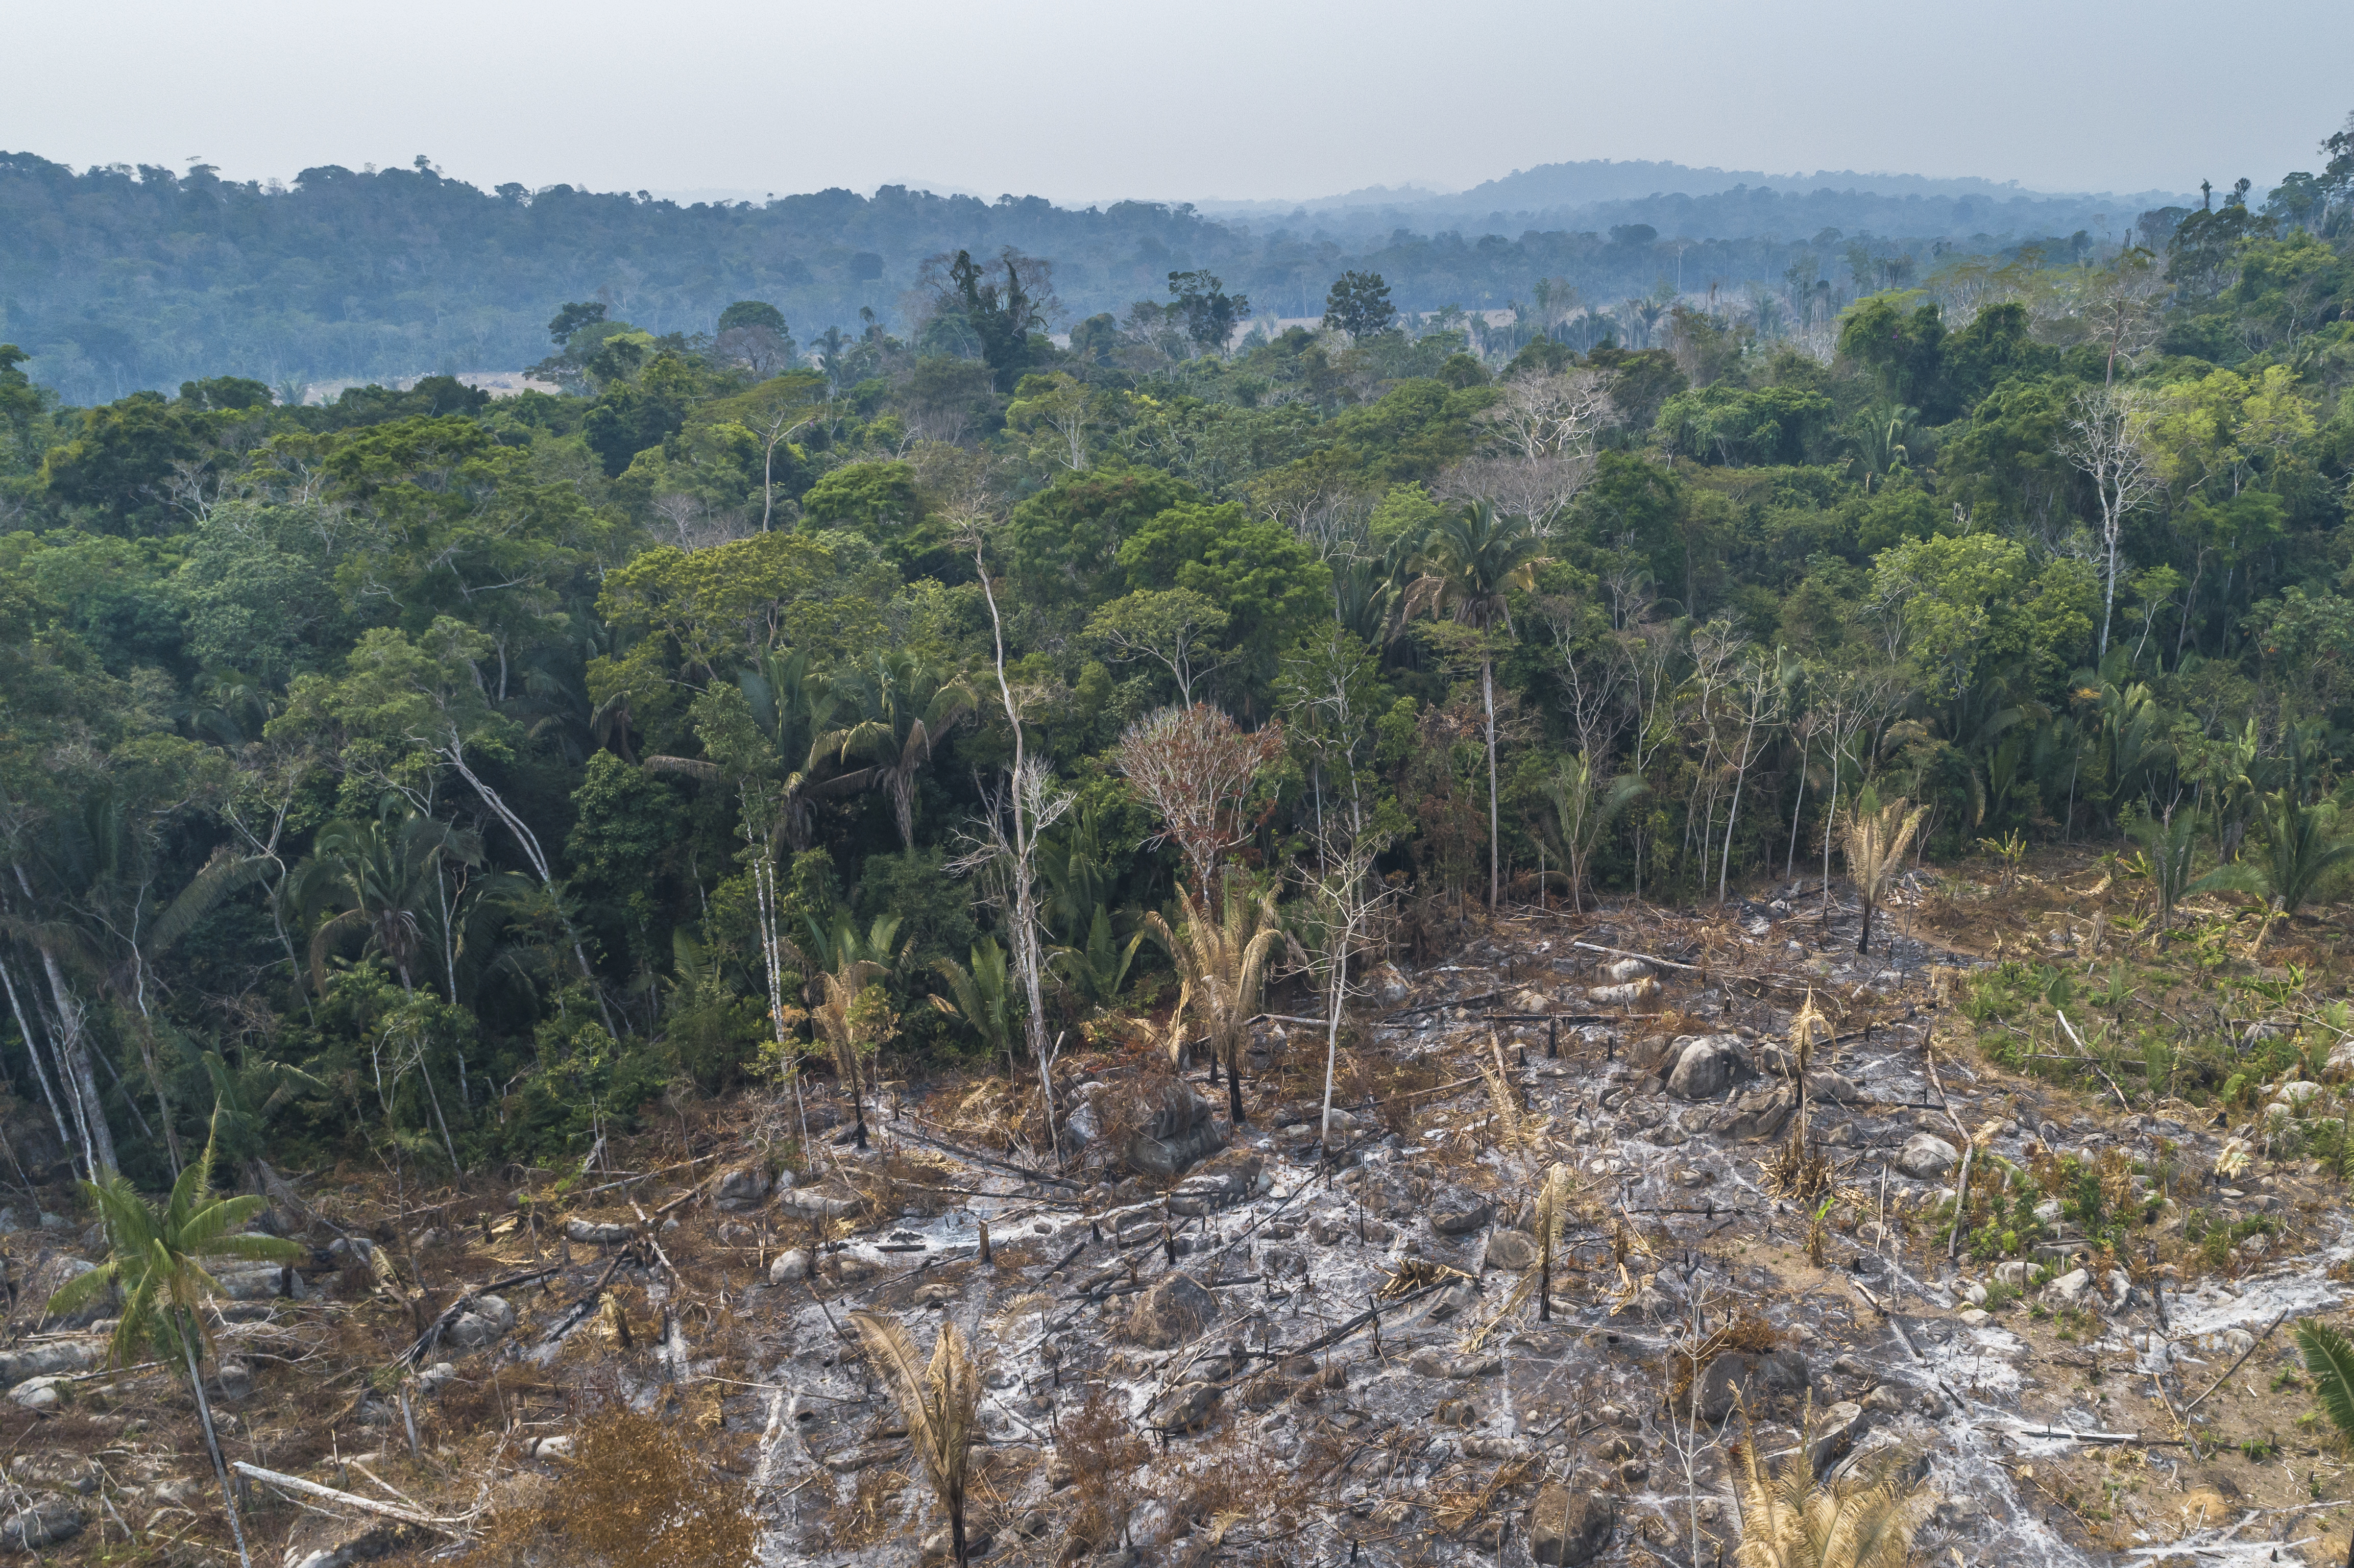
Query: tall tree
[[1472, 560]]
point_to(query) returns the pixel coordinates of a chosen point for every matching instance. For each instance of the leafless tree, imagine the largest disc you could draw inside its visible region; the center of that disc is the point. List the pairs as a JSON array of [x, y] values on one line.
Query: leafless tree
[[1545, 428], [1003, 844], [2107, 442], [758, 349], [1195, 767]]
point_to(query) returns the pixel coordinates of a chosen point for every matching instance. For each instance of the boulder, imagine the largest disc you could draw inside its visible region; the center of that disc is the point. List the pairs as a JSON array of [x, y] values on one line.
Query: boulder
[[485, 1321], [49, 1358], [1389, 986], [1509, 1249], [1832, 1089], [1174, 1312], [57, 1470], [2070, 1288], [791, 1264], [1709, 1064], [740, 1188], [1744, 1377], [1625, 971], [1461, 1220], [1925, 1157], [1189, 1407], [44, 1519], [40, 1392], [1834, 1436], [1761, 1113], [46, 1279], [812, 1203], [1568, 1528], [1178, 1131], [435, 1378], [1642, 993], [591, 1233], [552, 1449]]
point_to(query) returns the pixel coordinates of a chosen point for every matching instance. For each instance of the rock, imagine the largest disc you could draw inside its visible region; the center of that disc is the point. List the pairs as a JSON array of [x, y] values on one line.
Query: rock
[[1509, 1249], [552, 1449], [1884, 1399], [2014, 1273], [2120, 1287], [1567, 1529], [1973, 1317], [1708, 1066], [2048, 1211], [50, 1357], [1175, 1310], [258, 1282], [1832, 1089], [590, 1233], [1642, 993], [934, 1295], [1389, 986], [40, 1392], [1835, 1433], [1738, 1378], [44, 1520], [1178, 1131], [811, 1204], [232, 1380], [740, 1188], [485, 1321], [51, 1275], [1625, 971], [1191, 1406], [57, 1470], [1925, 1157], [2069, 1288], [2341, 1058], [791, 1264], [1463, 1220], [433, 1378], [1974, 1293], [1762, 1114]]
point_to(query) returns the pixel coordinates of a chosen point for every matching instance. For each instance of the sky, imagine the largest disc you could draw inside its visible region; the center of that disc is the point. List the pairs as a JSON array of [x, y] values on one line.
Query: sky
[[1215, 100]]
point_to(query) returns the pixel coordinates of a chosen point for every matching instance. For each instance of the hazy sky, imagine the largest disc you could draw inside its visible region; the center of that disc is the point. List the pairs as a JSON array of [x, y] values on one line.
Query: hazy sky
[[1216, 99]]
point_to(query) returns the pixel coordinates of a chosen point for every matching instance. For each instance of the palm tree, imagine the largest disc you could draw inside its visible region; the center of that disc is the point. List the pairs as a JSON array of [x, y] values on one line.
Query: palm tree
[[1877, 837], [936, 1404], [157, 1260], [986, 997], [1470, 562], [2168, 843], [768, 731], [390, 882], [1795, 1519], [2301, 846], [848, 964], [906, 707], [1096, 969], [1585, 804], [1222, 964]]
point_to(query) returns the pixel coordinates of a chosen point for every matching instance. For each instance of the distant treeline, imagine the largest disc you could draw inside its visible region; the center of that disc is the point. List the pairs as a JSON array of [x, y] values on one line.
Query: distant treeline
[[116, 278]]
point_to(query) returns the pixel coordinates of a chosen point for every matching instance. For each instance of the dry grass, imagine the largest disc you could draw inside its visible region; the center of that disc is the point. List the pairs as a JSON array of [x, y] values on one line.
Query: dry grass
[[633, 1496]]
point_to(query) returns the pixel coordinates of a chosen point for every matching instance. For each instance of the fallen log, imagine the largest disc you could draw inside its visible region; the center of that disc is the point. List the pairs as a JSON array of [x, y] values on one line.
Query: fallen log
[[296, 1484]]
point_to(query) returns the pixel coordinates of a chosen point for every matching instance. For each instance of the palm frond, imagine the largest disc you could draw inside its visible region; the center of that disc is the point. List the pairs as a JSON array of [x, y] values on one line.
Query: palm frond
[[2331, 1360]]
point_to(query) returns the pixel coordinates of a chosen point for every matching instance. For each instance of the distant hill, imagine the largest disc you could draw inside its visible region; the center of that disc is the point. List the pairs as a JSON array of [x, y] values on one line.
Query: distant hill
[[1676, 200]]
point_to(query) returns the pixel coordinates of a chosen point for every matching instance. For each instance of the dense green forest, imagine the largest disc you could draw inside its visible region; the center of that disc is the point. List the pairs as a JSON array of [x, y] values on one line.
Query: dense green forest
[[116, 278], [454, 777]]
